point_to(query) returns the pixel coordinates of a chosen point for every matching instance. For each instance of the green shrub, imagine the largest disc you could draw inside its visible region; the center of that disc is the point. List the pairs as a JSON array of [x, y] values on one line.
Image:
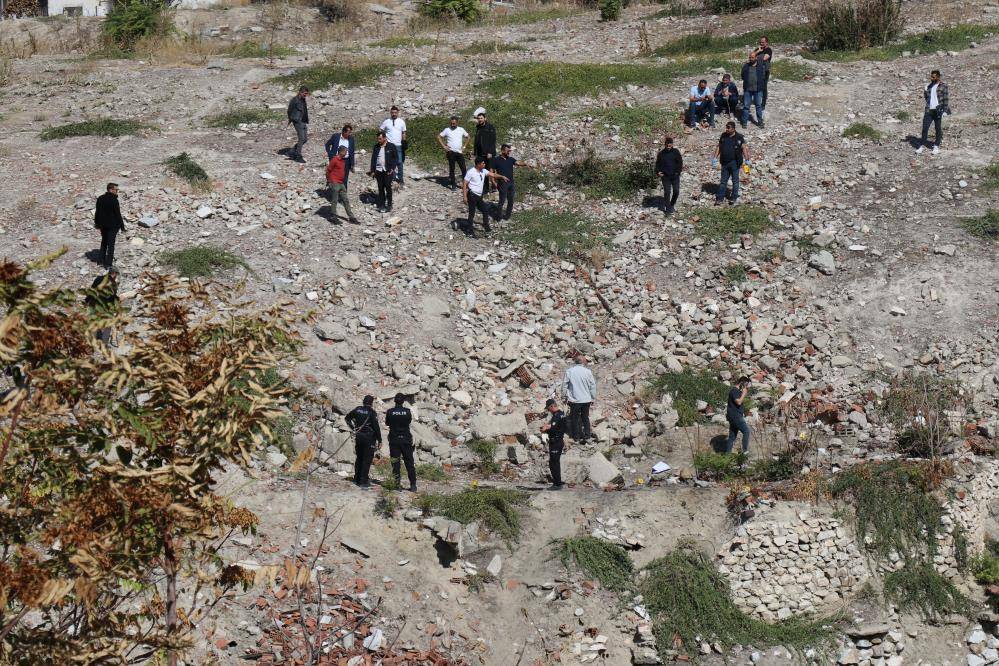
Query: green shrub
[[609, 178], [687, 388], [735, 273], [451, 10], [902, 115], [254, 49], [607, 562], [953, 38], [489, 46], [477, 581], [916, 404], [918, 587], [185, 167], [729, 223], [991, 176], [202, 261], [610, 10], [731, 6], [985, 567], [706, 42], [387, 503], [131, 20], [985, 227], [689, 598], [233, 118], [495, 508], [318, 77], [545, 230], [485, 451], [403, 41], [97, 127], [720, 466], [862, 131], [851, 25], [431, 472]]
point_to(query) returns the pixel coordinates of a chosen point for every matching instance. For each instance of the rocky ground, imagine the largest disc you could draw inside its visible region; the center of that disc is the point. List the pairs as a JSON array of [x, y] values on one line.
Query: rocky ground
[[866, 271]]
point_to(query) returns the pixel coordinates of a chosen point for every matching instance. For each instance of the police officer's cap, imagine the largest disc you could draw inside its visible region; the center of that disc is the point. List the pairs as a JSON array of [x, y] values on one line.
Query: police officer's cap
[[369, 399]]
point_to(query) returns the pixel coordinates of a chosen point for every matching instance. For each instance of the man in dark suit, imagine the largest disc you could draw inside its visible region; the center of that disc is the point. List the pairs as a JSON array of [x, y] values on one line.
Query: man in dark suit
[[107, 218], [384, 160], [345, 137]]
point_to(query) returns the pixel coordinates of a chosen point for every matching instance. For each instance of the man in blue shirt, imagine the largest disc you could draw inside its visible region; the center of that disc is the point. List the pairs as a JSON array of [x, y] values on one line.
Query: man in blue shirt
[[701, 103]]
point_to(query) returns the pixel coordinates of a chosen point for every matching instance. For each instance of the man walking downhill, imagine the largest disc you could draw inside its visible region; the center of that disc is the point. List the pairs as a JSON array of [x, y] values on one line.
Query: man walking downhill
[[473, 187], [107, 218], [753, 77], [401, 440], [735, 414], [395, 129], [503, 169], [766, 54], [485, 140], [298, 115], [336, 179], [345, 137], [454, 140], [556, 442], [580, 390], [731, 151], [937, 104], [367, 437], [383, 164], [669, 164]]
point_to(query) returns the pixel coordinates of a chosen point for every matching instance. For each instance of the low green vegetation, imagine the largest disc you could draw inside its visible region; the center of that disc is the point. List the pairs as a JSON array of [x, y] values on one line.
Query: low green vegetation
[[185, 167], [403, 41], [735, 273], [466, 11], [497, 509], [477, 581], [319, 77], [640, 120], [528, 181], [687, 388], [918, 587], [688, 598], [607, 562], [985, 227], [706, 42], [526, 16], [791, 70], [731, 6], [545, 230], [488, 47], [731, 222], [485, 450], [985, 567], [387, 503], [953, 38], [252, 49], [917, 404], [862, 131], [679, 8], [608, 178], [431, 472], [202, 261], [902, 115], [730, 466], [97, 127], [233, 118], [990, 176]]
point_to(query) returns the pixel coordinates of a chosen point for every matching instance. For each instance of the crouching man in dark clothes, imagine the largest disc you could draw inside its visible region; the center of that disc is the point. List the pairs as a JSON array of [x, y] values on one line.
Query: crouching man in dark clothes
[[400, 440], [556, 442], [367, 437]]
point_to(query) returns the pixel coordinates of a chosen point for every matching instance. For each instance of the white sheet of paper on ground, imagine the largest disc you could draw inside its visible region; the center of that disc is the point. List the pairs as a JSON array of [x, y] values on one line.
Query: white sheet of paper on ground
[[661, 468]]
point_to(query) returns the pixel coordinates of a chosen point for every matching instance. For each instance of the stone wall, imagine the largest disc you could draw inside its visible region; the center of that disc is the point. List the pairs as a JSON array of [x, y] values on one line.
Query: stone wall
[[799, 562], [969, 507]]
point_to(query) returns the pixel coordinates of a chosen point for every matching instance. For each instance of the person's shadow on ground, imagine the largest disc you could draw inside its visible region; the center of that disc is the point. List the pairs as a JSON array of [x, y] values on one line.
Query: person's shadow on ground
[[93, 255], [656, 201], [913, 141]]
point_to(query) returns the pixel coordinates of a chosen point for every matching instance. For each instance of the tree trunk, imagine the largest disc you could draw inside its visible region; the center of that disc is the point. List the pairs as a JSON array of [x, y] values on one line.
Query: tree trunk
[[170, 568]]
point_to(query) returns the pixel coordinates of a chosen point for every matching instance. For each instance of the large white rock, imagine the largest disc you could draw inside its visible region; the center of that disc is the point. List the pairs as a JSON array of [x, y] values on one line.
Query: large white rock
[[602, 471], [490, 426]]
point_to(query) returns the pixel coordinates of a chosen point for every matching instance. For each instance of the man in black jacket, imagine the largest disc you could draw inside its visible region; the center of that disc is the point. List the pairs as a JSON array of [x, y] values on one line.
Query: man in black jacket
[[556, 442], [298, 115], [401, 440], [107, 218], [485, 140], [731, 153], [669, 164], [727, 96], [384, 160], [367, 436], [344, 137]]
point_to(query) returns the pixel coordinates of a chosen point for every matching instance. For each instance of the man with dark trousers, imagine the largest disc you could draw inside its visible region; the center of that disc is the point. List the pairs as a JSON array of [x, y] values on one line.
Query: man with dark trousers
[[937, 104], [556, 442], [345, 137], [454, 141], [735, 414], [367, 437], [474, 188], [503, 166], [298, 115], [580, 389], [384, 160], [400, 440], [731, 152], [107, 218], [485, 141], [669, 164]]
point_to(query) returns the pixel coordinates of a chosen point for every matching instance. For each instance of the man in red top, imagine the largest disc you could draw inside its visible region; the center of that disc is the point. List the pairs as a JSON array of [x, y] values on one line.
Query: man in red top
[[336, 172]]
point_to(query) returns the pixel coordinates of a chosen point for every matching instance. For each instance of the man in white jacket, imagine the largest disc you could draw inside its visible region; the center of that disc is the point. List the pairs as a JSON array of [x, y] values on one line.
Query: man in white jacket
[[580, 389]]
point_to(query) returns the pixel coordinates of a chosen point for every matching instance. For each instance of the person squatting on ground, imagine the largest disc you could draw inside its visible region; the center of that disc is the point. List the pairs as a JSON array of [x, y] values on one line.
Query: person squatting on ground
[[669, 164], [937, 98], [400, 440], [454, 140], [735, 414], [731, 151], [395, 129], [345, 137], [103, 300], [383, 165], [754, 74], [556, 442], [727, 97], [336, 180], [298, 115], [580, 389], [367, 438], [108, 220], [503, 165], [473, 188], [701, 104]]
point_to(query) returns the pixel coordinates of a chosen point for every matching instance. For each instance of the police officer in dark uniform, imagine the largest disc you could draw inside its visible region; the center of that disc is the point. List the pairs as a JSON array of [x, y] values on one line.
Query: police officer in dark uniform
[[556, 442], [367, 436], [400, 440]]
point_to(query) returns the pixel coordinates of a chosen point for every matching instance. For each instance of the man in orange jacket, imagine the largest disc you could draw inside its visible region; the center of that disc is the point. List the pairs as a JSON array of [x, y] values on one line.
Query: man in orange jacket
[[336, 174]]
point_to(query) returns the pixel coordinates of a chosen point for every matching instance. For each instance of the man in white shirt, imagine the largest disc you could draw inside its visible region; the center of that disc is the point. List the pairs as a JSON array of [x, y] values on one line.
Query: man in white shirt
[[580, 389], [701, 102], [395, 129], [454, 140], [937, 104], [472, 187]]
